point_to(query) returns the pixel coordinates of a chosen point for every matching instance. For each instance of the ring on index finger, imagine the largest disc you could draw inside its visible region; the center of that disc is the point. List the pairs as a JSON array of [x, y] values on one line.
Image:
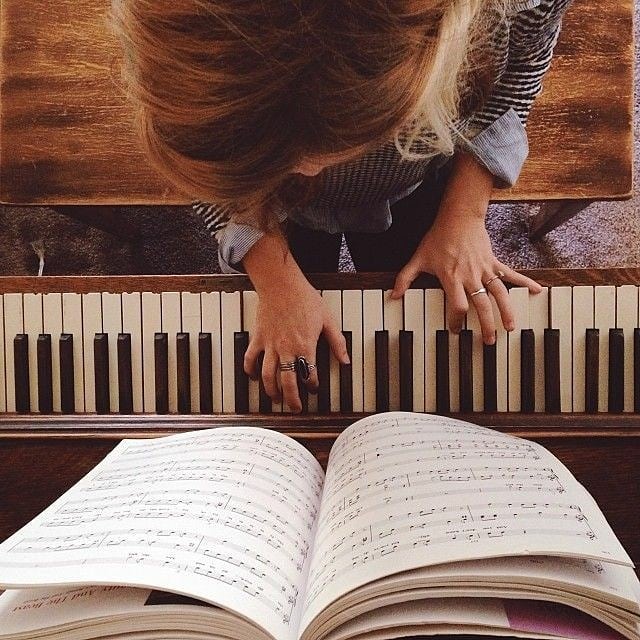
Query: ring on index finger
[[478, 292]]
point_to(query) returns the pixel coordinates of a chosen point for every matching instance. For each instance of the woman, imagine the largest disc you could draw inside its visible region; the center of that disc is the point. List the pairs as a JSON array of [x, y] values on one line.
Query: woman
[[388, 120]]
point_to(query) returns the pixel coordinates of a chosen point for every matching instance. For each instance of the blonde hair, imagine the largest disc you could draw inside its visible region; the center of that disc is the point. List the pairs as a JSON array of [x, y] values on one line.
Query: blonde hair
[[230, 96]]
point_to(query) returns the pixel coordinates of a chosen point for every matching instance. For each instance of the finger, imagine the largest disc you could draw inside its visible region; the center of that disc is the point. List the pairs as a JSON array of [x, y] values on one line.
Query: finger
[[289, 384], [404, 279], [484, 309], [457, 306], [251, 359], [501, 295], [336, 341], [520, 280], [270, 375]]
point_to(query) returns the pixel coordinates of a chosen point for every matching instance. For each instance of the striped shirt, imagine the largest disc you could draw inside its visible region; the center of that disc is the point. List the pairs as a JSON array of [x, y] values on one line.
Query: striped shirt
[[358, 195]]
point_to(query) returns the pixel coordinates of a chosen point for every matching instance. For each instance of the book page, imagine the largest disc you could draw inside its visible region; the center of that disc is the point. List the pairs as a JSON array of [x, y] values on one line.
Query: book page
[[23, 610], [408, 490], [225, 515]]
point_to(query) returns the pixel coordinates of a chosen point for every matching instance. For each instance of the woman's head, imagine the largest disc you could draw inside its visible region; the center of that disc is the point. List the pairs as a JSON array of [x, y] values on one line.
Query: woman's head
[[232, 98]]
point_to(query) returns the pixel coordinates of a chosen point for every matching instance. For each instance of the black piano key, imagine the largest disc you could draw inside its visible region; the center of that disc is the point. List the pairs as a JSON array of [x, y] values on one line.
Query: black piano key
[[125, 374], [406, 370], [21, 372], [67, 374], [527, 371], [616, 370], [636, 370], [45, 374], [241, 379], [161, 361], [264, 401], [465, 370], [346, 378], [382, 370], [205, 372], [489, 378], [323, 364], [442, 371], [591, 370], [101, 371], [183, 371], [552, 370]]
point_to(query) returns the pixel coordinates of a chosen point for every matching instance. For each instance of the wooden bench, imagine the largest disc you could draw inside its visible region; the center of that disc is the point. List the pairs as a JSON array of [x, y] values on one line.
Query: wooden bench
[[67, 141]]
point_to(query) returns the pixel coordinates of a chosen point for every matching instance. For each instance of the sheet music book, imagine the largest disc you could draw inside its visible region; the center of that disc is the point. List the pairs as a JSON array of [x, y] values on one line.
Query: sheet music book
[[421, 525]]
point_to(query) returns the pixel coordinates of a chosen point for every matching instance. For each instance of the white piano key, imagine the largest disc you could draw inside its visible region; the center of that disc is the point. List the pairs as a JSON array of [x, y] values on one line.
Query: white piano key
[[231, 322], [477, 354], [372, 321], [502, 361], [333, 300], [627, 320], [172, 325], [52, 325], [32, 306], [604, 319], [211, 323], [3, 374], [72, 324], [151, 324], [434, 319], [112, 326], [583, 319], [561, 318], [352, 321], [91, 324], [13, 325], [539, 321], [393, 322], [519, 298], [249, 313], [132, 324], [414, 322], [192, 324]]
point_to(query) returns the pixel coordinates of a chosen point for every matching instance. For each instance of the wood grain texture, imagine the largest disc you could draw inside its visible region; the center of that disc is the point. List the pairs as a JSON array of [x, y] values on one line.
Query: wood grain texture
[[35, 470], [230, 283], [67, 136]]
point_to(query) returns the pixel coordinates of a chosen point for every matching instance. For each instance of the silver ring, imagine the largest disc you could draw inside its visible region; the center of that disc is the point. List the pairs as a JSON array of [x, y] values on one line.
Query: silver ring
[[287, 366], [479, 291]]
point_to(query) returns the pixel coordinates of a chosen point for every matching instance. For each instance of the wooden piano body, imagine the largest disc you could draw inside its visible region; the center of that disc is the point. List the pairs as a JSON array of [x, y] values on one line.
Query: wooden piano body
[[43, 455]]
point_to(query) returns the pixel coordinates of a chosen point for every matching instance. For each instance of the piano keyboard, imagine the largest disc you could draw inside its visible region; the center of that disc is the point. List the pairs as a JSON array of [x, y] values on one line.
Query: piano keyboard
[[575, 349]]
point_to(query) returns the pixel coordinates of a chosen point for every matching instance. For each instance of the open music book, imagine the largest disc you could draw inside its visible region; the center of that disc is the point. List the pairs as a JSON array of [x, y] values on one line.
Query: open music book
[[422, 525]]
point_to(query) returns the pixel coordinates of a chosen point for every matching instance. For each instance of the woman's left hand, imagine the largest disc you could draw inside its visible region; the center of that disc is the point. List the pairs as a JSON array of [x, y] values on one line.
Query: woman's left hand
[[457, 250]]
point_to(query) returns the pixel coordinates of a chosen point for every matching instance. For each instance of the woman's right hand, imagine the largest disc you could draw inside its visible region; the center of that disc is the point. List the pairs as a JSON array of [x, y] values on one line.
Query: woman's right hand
[[291, 316]]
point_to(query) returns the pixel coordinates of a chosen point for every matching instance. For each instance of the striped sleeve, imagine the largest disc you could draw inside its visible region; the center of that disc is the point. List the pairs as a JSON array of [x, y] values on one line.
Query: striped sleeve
[[500, 142], [215, 218]]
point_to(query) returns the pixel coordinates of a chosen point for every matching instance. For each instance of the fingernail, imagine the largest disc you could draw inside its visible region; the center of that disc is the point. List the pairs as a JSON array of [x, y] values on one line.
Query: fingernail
[[346, 360], [490, 340], [510, 326]]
